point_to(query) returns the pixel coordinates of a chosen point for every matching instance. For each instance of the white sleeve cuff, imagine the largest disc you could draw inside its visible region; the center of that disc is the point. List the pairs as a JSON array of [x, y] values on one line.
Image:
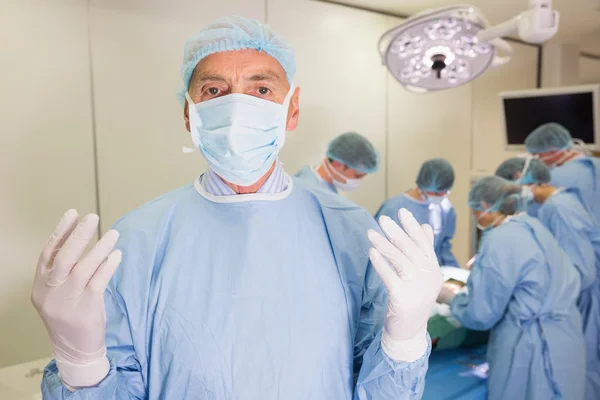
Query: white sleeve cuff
[[404, 350], [82, 375]]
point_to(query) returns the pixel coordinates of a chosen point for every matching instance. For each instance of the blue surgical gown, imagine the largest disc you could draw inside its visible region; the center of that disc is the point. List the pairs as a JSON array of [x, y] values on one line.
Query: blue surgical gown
[[533, 208], [524, 288], [308, 174], [442, 219], [260, 299], [581, 173], [578, 235]]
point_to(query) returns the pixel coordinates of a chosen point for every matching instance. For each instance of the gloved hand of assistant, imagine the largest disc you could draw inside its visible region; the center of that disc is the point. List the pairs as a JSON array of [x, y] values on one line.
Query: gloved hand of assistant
[[68, 293], [408, 266], [447, 293]]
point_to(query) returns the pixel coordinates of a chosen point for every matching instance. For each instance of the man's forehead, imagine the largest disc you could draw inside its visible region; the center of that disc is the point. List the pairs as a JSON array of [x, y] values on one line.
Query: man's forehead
[[245, 64], [253, 74]]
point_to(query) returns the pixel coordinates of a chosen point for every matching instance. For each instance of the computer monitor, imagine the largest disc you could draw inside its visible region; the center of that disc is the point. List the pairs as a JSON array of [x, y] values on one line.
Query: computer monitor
[[577, 108]]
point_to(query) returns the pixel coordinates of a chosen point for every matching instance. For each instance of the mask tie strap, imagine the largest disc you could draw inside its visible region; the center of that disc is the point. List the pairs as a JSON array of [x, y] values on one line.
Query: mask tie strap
[[286, 101], [338, 175], [288, 96], [185, 149]]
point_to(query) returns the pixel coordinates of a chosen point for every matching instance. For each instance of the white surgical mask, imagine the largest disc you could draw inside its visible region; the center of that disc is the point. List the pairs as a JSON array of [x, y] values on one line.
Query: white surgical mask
[[479, 226], [527, 194], [436, 200], [337, 177], [525, 169], [490, 226], [566, 154], [239, 135]]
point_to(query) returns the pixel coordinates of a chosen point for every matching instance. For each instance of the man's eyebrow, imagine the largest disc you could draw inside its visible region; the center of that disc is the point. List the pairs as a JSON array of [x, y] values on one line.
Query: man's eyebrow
[[209, 76], [264, 76]]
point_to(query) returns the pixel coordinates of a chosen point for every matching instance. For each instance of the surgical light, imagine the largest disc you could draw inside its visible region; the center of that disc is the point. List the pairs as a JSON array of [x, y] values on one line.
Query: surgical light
[[448, 47]]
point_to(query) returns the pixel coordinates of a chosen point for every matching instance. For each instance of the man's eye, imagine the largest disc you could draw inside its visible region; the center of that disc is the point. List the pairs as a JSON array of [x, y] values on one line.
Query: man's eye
[[213, 91], [263, 91]]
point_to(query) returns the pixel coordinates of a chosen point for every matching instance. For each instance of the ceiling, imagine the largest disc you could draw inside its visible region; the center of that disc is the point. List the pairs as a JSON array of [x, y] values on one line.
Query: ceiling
[[579, 19]]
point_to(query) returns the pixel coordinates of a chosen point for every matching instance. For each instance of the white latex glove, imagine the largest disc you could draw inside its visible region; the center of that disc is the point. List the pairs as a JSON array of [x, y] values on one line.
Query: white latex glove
[[413, 283], [446, 295], [68, 293]]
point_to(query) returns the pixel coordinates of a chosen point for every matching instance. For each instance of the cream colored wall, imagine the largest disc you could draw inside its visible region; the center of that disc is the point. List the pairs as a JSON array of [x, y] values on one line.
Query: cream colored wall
[[47, 163], [589, 70]]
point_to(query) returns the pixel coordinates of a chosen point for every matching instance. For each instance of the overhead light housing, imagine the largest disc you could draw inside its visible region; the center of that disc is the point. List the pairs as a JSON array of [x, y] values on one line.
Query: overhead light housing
[[448, 47]]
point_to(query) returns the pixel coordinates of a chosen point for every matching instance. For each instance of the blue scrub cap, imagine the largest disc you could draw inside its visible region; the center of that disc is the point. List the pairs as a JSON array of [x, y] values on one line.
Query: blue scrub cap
[[536, 172], [354, 151], [548, 137], [497, 193], [235, 33], [435, 175]]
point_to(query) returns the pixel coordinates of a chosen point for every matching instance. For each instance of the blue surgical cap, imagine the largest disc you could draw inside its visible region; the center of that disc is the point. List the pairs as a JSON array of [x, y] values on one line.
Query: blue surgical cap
[[354, 151], [536, 172], [493, 193], [236, 33], [435, 175], [548, 137]]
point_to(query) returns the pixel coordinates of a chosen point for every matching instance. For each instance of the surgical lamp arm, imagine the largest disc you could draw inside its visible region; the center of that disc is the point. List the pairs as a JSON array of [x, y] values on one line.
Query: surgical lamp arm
[[501, 44], [498, 31], [536, 25]]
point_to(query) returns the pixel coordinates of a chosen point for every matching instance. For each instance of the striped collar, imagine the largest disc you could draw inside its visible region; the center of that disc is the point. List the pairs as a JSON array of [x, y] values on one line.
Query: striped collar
[[213, 184]]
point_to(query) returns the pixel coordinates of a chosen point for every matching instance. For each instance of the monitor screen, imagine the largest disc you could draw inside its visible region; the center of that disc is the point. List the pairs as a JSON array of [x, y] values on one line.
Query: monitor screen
[[575, 111]]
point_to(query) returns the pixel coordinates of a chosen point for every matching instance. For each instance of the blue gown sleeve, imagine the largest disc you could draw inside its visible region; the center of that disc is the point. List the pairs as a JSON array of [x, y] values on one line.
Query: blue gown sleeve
[[382, 378], [446, 256], [124, 380], [571, 233], [487, 298], [379, 376]]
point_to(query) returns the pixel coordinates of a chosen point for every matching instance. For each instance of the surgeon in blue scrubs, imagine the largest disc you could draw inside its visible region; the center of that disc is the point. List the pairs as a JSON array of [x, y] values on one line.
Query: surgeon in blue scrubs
[[578, 234], [569, 168], [245, 283], [429, 204], [349, 158], [524, 288], [512, 170]]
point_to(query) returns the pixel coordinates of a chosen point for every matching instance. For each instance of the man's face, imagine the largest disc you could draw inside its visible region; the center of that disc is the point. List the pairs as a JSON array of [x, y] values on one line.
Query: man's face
[[550, 157], [347, 171], [436, 194], [242, 71], [485, 218]]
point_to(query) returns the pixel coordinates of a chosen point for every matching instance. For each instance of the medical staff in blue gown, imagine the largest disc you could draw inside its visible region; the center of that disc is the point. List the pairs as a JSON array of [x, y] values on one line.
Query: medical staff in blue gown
[[349, 158], [569, 168], [512, 170], [246, 283], [429, 204], [524, 288], [577, 233]]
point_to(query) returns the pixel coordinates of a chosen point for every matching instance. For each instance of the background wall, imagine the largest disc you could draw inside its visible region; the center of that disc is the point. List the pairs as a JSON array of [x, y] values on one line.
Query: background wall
[[47, 160], [99, 78], [589, 70]]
